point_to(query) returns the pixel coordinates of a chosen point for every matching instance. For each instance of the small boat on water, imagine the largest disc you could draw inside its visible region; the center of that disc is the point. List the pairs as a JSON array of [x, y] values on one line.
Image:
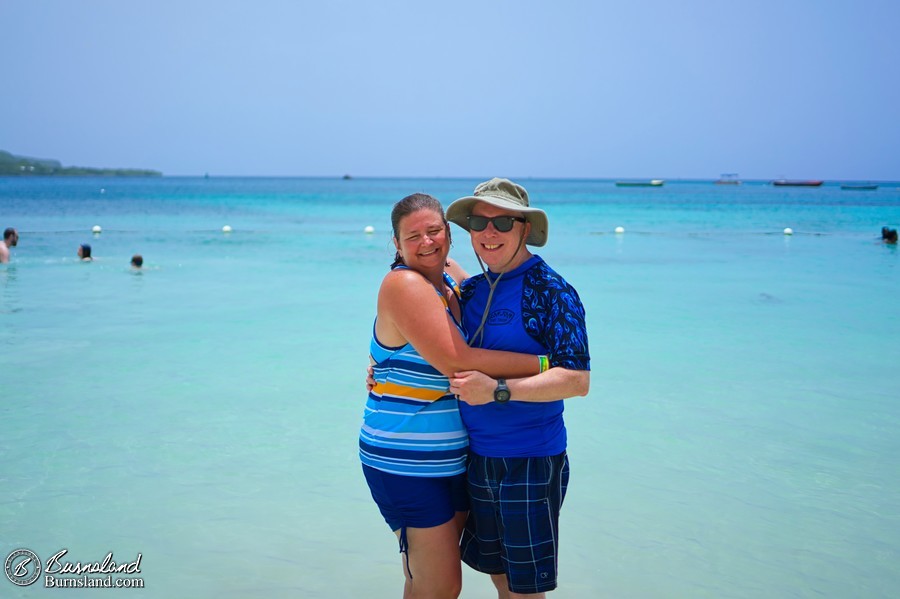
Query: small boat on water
[[860, 187], [728, 179], [650, 183], [797, 182]]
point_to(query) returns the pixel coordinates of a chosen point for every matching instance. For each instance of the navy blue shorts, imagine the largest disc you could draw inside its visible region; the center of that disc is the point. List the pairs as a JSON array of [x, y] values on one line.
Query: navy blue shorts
[[513, 525], [417, 501]]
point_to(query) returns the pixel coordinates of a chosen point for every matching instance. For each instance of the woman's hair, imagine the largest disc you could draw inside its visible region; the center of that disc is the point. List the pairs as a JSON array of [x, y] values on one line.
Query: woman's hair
[[408, 205], [85, 250]]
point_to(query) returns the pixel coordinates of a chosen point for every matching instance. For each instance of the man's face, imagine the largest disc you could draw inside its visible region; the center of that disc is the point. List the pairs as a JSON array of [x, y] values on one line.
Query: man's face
[[501, 251]]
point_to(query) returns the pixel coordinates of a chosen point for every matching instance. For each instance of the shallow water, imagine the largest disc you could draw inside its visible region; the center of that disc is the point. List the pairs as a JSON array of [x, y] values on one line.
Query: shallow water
[[740, 438]]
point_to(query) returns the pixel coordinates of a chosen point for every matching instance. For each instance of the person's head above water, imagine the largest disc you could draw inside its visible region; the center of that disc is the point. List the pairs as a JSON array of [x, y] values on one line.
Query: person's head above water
[[137, 261], [84, 251], [11, 237]]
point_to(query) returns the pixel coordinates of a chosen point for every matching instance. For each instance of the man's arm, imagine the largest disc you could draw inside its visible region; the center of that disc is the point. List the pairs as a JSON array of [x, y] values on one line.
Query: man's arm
[[476, 388]]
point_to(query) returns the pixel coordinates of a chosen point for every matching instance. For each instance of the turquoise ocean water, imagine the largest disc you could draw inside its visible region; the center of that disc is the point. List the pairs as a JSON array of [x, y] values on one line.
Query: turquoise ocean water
[[741, 437]]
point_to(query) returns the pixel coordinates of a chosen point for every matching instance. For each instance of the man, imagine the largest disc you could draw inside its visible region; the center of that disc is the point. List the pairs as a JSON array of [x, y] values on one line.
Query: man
[[518, 468], [10, 239]]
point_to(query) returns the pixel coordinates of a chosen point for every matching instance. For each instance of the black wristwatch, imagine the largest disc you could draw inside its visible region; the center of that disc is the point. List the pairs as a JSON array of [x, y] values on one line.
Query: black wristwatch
[[501, 393]]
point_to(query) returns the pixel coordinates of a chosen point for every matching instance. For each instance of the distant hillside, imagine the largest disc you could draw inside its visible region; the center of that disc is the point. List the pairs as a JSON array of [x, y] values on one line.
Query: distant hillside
[[20, 166]]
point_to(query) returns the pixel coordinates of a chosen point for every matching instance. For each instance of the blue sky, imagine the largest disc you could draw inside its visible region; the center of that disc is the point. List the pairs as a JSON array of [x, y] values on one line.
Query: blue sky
[[638, 88]]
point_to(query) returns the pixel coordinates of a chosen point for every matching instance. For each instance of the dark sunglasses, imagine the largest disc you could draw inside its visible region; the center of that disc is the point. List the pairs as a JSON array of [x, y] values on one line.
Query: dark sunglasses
[[504, 224]]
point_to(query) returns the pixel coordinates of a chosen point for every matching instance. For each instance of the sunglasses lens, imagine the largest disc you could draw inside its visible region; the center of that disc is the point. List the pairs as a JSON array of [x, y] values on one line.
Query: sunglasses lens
[[503, 223], [478, 223]]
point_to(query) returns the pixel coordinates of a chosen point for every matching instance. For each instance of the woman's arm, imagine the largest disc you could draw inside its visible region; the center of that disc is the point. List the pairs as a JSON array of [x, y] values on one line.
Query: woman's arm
[[409, 309]]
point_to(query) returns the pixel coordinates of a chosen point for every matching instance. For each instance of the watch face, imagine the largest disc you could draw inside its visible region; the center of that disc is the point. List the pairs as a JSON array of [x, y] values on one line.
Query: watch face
[[501, 395]]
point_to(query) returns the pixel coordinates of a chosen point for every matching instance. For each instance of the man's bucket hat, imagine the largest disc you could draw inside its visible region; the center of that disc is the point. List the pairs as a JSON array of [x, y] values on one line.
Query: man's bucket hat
[[507, 195]]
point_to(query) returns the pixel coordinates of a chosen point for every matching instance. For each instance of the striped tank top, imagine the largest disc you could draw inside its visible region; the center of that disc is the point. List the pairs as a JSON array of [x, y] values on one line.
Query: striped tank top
[[411, 424]]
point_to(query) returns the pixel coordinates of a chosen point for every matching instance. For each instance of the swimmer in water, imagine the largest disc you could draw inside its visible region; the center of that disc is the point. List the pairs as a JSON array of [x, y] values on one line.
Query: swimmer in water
[[10, 239]]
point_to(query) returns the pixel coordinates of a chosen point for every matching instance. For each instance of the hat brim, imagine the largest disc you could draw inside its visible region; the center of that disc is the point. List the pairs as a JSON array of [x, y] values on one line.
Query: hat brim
[[462, 208]]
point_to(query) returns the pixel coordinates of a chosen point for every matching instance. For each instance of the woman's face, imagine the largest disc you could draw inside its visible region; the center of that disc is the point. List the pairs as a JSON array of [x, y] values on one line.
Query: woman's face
[[423, 241]]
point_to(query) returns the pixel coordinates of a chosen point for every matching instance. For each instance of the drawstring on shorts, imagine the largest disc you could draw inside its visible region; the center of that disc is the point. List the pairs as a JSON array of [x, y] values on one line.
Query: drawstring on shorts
[[404, 548]]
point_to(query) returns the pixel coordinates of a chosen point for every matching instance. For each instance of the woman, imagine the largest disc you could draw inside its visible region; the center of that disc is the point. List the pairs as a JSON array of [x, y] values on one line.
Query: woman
[[412, 442]]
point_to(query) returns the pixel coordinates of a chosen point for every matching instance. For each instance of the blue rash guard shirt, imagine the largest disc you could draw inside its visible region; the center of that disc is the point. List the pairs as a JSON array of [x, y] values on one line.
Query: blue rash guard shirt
[[533, 310]]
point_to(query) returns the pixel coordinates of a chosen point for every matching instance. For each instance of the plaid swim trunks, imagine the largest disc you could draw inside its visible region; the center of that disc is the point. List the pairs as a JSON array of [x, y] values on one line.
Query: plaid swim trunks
[[513, 522]]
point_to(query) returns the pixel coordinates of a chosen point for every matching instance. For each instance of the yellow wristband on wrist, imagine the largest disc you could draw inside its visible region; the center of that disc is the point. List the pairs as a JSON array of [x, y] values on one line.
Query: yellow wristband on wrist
[[545, 363]]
